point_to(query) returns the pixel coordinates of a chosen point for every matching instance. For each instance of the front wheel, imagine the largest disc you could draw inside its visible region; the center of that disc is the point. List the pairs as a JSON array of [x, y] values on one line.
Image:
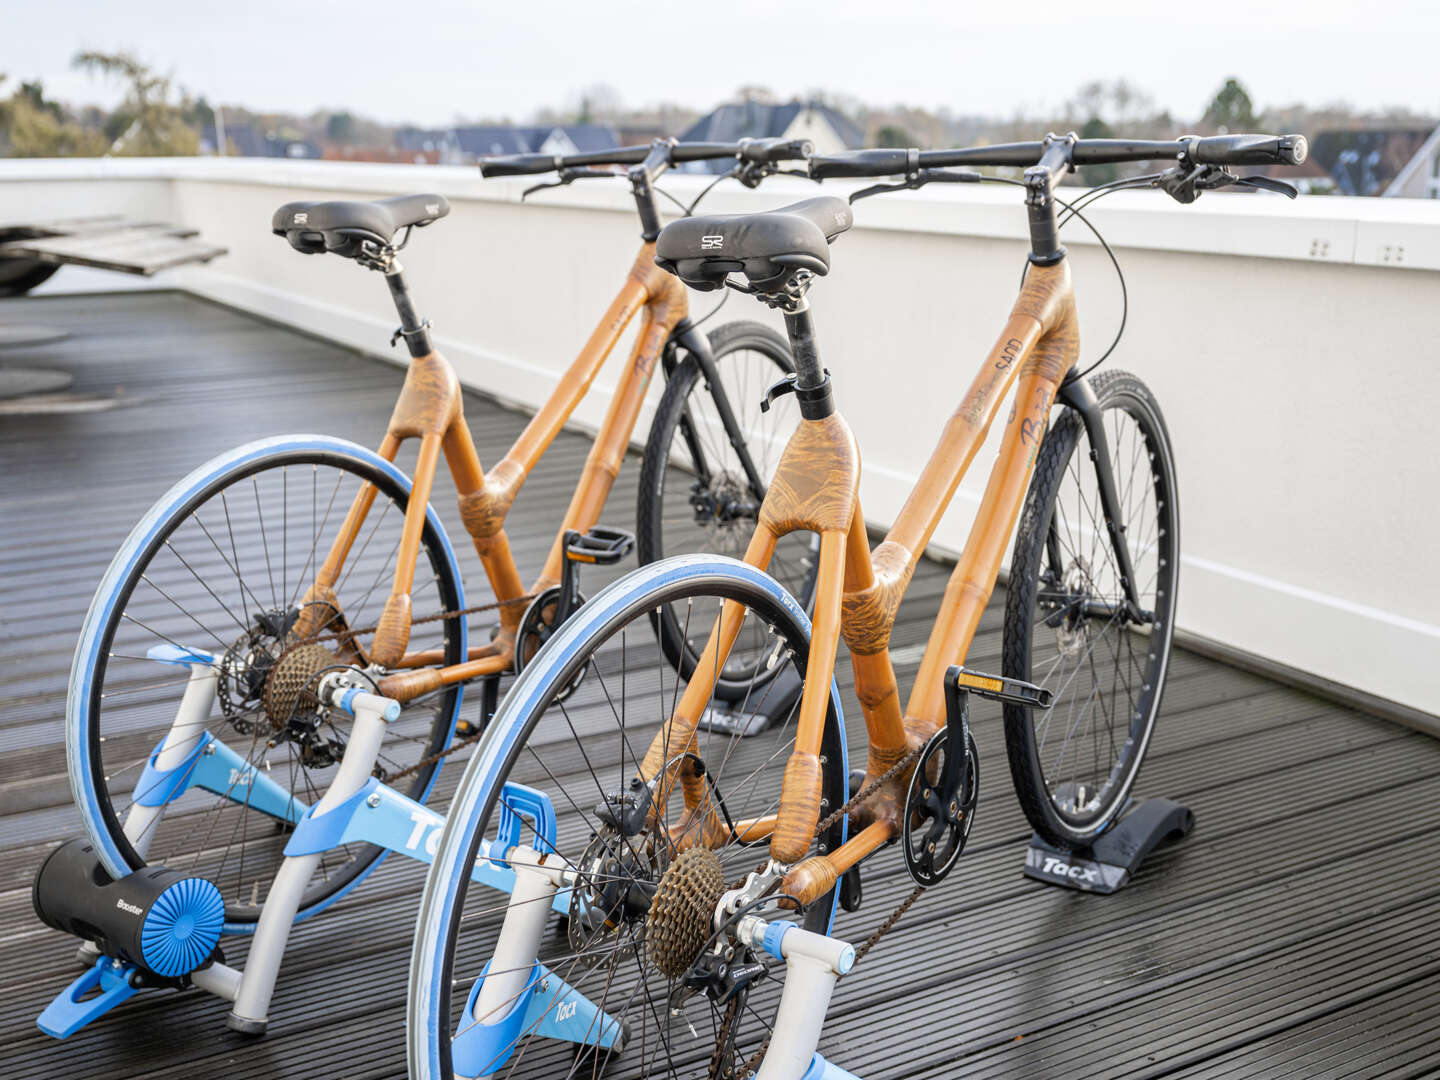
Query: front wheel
[[640, 896], [697, 493], [1068, 626]]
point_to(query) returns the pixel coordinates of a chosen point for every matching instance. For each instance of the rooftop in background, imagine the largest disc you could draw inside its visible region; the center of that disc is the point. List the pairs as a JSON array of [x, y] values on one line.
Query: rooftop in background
[[827, 128], [1366, 162], [462, 145]]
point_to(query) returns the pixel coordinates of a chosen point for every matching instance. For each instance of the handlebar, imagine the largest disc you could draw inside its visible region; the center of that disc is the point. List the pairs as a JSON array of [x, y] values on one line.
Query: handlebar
[[750, 151], [1210, 150]]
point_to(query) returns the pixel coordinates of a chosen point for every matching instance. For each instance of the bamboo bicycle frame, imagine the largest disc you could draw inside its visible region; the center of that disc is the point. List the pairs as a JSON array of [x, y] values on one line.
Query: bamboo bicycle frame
[[858, 591], [429, 409]]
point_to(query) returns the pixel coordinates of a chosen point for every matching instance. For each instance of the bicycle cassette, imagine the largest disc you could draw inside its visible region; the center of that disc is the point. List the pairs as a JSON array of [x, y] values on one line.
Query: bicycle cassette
[[940, 807]]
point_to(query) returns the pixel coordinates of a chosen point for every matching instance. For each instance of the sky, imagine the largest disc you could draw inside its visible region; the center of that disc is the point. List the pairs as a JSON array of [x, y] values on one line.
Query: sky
[[432, 61]]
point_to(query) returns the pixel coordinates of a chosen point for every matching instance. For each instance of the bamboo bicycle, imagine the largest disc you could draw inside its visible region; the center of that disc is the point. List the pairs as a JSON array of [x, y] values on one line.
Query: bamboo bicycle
[[300, 555], [674, 843]]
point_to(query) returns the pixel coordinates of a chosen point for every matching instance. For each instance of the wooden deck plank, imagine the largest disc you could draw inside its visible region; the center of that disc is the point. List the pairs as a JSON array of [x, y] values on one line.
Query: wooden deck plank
[[1294, 933]]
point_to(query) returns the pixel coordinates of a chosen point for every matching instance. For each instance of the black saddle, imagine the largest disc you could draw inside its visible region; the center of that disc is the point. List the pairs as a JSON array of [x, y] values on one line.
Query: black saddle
[[343, 227], [766, 247]]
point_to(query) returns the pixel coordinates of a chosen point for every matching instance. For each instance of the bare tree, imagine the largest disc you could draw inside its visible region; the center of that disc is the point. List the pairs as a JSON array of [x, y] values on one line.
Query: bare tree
[[146, 124]]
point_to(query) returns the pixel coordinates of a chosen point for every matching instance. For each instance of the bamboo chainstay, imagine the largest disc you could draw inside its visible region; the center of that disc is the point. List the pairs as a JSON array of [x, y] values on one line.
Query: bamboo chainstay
[[469, 740], [348, 635]]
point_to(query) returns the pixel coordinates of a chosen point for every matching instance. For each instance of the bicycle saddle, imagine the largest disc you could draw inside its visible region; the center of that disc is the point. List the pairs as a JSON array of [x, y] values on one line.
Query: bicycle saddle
[[342, 227], [767, 247]]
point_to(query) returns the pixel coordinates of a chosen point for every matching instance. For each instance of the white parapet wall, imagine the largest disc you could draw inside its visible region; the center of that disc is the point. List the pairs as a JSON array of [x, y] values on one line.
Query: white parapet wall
[[1293, 347]]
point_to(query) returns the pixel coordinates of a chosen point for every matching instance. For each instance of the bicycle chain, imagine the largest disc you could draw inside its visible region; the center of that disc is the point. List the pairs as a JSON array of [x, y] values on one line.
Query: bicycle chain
[[346, 635], [753, 1064]]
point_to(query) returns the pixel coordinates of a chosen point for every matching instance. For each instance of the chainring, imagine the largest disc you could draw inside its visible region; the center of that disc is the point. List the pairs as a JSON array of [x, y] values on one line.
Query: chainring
[[536, 628], [936, 828]]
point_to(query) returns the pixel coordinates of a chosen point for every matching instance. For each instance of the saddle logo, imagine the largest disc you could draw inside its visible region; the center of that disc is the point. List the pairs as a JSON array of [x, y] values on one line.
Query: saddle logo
[[711, 243], [302, 219], [1061, 868], [131, 908], [432, 208]]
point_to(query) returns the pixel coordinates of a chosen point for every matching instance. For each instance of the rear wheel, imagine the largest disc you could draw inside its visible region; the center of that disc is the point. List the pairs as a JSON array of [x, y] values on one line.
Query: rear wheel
[[639, 910], [1068, 628], [220, 566], [697, 496]]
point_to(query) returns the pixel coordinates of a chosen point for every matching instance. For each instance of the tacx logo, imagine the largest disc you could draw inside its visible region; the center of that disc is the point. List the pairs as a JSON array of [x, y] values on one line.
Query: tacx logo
[[711, 243], [131, 908], [1061, 868], [302, 219]]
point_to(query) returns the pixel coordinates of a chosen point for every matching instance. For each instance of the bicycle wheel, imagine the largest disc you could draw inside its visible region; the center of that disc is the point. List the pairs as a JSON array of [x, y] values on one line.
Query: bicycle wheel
[[580, 754], [695, 494], [1067, 626], [219, 566]]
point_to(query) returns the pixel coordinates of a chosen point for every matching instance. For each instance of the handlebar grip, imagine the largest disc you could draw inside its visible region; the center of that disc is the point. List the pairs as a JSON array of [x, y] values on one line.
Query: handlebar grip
[[1250, 150], [518, 164], [860, 163], [771, 151]]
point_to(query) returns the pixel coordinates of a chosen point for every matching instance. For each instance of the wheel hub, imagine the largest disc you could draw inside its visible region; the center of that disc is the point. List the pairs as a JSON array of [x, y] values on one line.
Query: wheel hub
[[1073, 632], [722, 502]]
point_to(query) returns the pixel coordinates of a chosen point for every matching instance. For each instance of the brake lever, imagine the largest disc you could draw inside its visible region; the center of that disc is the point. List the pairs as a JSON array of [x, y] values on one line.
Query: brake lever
[[569, 176], [1186, 184], [1270, 183], [919, 179]]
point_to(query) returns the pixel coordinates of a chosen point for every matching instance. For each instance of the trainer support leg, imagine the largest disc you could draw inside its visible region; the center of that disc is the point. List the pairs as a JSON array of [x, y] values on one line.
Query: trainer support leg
[[813, 964], [252, 1003]]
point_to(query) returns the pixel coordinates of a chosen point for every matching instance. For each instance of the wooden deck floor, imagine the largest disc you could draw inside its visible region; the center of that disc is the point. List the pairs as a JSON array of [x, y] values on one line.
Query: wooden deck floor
[[1295, 933]]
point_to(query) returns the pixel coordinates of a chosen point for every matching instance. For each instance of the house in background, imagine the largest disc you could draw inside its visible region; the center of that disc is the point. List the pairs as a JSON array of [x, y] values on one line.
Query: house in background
[[1366, 162], [462, 145], [827, 128], [244, 140], [1420, 178]]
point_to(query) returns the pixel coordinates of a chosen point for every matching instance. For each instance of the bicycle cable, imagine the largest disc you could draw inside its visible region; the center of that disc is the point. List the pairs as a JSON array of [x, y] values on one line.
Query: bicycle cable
[[1073, 210]]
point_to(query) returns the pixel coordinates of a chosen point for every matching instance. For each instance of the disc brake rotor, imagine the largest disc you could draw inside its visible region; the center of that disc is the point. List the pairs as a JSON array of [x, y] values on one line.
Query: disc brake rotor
[[611, 893]]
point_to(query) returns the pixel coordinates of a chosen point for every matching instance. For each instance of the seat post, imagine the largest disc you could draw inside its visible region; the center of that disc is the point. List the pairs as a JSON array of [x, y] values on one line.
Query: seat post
[[413, 329], [812, 382]]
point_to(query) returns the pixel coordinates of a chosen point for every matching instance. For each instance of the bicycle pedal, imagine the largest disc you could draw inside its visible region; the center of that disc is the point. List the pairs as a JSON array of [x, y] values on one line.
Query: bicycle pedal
[[465, 728], [996, 688], [603, 545]]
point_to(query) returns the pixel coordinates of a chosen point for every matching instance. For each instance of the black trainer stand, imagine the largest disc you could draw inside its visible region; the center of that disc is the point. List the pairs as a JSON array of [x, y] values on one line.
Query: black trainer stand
[[765, 706], [1107, 865]]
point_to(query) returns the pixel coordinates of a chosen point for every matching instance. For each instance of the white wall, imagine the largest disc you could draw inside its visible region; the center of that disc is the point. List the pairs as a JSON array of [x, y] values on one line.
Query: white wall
[[1293, 347]]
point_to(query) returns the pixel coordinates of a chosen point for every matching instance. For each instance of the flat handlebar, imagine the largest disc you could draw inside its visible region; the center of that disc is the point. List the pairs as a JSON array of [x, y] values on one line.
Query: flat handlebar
[[753, 151], [1209, 150]]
